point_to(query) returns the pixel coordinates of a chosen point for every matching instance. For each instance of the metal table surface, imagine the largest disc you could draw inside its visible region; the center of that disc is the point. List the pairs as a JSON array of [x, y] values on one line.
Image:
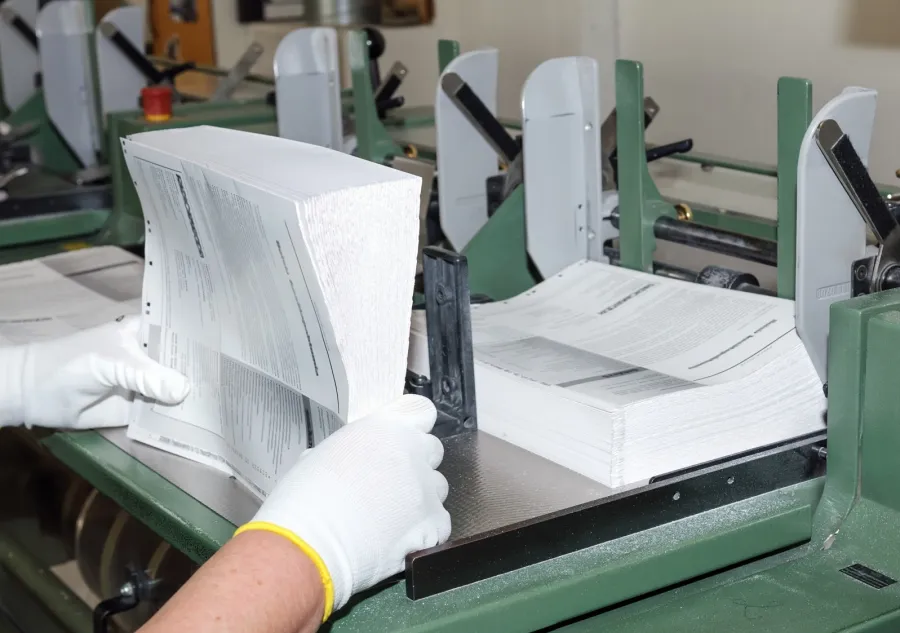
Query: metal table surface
[[492, 483]]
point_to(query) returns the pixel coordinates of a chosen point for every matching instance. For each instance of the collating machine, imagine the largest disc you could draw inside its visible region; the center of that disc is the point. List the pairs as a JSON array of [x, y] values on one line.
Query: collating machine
[[75, 87], [790, 537]]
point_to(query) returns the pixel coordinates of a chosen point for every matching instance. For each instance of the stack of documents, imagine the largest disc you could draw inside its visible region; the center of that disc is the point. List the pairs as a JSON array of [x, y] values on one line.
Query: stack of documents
[[623, 376], [279, 280]]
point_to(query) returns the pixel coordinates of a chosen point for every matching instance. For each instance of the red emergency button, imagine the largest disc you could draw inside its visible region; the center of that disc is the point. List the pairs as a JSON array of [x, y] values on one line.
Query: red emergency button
[[157, 103]]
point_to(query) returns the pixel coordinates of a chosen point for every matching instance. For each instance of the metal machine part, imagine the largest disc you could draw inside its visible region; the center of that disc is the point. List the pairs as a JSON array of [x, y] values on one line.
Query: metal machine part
[[609, 140], [343, 12], [450, 349], [881, 272], [229, 84], [716, 276], [109, 545], [710, 239]]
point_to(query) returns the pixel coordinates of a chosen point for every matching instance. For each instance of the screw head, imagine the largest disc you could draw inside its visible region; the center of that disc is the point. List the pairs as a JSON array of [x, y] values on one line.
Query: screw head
[[127, 589], [860, 272]]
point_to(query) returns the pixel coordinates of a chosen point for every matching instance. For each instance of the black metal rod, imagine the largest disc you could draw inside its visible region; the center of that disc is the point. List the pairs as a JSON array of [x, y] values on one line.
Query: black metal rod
[[714, 240], [25, 31], [664, 270], [683, 274], [480, 117], [140, 62]]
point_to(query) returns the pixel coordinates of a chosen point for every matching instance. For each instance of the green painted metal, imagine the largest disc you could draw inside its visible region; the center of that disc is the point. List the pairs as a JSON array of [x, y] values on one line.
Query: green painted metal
[[498, 263], [794, 117], [855, 522], [126, 225], [523, 601], [24, 575], [448, 50], [640, 202], [53, 153], [46, 228], [177, 517], [410, 117], [372, 139], [733, 221]]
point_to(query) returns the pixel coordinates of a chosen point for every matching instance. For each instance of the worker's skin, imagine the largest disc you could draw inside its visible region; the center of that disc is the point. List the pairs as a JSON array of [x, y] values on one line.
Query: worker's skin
[[257, 582], [340, 520]]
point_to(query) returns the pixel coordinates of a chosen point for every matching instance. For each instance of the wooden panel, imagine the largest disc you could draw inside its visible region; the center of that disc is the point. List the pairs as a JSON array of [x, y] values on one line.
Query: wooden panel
[[182, 30]]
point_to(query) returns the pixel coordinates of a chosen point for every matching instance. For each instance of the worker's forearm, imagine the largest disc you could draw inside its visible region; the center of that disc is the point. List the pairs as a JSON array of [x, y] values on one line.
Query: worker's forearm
[[258, 581]]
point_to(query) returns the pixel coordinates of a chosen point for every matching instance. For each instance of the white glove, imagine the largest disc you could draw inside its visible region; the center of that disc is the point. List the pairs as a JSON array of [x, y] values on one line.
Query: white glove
[[85, 380], [363, 499]]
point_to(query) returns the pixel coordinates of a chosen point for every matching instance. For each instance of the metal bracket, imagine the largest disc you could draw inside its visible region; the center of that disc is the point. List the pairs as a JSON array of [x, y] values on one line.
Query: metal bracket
[[609, 140], [119, 79], [465, 158], [450, 349], [66, 34], [851, 172], [831, 235], [237, 74], [307, 86], [562, 162]]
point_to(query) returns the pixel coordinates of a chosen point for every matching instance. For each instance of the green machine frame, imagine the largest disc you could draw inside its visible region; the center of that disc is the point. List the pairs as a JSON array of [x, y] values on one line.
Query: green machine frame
[[785, 560]]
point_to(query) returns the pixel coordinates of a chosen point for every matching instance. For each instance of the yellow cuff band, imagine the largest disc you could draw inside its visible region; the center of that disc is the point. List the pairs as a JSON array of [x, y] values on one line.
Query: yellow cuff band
[[327, 583]]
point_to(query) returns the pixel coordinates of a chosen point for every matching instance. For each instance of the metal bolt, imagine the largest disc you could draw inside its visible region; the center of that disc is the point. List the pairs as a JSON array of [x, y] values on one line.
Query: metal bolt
[[469, 423], [591, 235], [127, 589], [446, 385], [684, 212], [676, 496], [821, 452], [440, 295], [860, 272], [589, 126], [730, 480]]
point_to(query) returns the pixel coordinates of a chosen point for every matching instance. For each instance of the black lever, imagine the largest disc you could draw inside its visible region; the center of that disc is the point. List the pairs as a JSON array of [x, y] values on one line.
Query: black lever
[[655, 153], [870, 274], [480, 117], [385, 98], [137, 589], [15, 20], [376, 45], [846, 164], [151, 73]]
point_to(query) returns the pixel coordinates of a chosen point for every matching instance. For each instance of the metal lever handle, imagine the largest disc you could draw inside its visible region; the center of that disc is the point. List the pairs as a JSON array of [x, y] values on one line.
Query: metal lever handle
[[15, 20], [462, 95], [238, 73], [132, 53], [655, 153], [850, 171]]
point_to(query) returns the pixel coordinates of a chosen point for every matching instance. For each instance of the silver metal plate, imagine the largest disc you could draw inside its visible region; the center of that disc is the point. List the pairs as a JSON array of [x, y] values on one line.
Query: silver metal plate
[[492, 483]]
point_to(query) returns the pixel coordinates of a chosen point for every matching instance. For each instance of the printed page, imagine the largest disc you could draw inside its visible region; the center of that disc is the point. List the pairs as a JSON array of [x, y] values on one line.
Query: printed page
[[232, 301], [622, 336], [62, 294]]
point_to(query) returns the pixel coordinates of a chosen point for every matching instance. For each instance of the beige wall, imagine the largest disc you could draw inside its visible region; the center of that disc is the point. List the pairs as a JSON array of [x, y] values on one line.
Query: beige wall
[[711, 64]]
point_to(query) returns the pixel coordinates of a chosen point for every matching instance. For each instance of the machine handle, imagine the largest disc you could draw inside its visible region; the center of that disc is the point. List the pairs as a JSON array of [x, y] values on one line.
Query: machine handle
[[480, 117], [23, 29], [846, 164], [132, 53]]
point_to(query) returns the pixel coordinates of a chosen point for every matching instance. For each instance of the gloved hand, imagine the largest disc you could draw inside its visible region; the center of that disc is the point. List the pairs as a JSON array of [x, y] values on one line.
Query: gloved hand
[[363, 499], [85, 380]]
